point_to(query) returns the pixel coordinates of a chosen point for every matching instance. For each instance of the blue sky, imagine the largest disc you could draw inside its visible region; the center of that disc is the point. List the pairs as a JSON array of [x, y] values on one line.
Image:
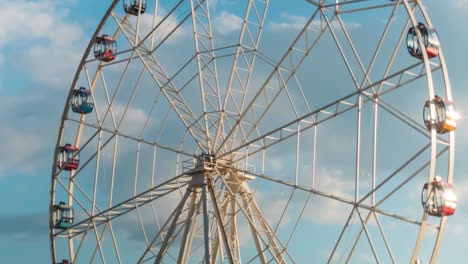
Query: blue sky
[[41, 43]]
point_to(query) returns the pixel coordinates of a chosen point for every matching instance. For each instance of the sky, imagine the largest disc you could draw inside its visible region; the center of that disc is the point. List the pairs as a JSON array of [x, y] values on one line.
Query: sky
[[41, 44]]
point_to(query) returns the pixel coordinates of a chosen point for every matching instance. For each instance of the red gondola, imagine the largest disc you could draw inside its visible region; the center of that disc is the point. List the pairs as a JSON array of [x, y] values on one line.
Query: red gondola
[[441, 200], [446, 115], [429, 39], [105, 48], [68, 157]]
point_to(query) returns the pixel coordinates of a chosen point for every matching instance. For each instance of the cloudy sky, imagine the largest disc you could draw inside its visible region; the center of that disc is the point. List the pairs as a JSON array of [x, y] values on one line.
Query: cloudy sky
[[41, 43]]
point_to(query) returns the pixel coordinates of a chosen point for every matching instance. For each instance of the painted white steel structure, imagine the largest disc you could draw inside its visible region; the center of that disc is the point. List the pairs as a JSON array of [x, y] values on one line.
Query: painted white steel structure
[[254, 140]]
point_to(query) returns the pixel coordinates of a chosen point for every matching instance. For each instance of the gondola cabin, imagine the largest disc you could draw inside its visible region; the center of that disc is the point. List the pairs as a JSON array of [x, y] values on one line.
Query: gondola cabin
[[82, 101], [105, 48], [429, 39], [68, 157], [63, 216], [440, 200], [446, 115], [65, 261], [134, 7]]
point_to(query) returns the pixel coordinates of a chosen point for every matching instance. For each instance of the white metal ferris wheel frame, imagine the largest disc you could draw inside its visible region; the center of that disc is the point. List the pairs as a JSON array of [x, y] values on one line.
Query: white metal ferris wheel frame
[[210, 127]]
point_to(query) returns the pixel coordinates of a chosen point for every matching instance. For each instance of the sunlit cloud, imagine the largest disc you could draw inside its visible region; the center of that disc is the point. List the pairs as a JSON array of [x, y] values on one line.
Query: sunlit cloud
[[148, 22], [290, 22], [43, 43], [226, 23]]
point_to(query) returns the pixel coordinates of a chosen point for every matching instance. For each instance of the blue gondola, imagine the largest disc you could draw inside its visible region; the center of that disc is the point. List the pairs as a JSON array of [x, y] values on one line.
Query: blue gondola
[[63, 216], [68, 157], [105, 48], [446, 115], [82, 101], [429, 39], [134, 7], [441, 200]]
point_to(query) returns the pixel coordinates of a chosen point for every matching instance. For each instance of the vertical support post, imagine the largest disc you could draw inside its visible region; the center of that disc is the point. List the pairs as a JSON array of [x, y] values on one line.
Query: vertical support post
[[220, 223], [172, 227], [358, 149], [206, 223], [374, 149], [186, 240]]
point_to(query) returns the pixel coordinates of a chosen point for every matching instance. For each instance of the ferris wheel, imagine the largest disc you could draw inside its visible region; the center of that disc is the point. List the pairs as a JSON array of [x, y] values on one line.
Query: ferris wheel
[[256, 131]]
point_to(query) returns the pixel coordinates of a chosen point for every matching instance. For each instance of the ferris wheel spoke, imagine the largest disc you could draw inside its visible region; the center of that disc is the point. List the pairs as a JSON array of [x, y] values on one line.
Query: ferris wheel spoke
[[162, 29], [244, 59], [114, 243], [368, 236], [129, 205], [343, 199], [166, 85], [410, 177], [384, 237], [364, 71], [362, 229], [207, 70], [282, 73], [346, 225], [131, 137], [318, 116], [353, 6], [337, 43], [257, 117], [408, 120], [99, 238]]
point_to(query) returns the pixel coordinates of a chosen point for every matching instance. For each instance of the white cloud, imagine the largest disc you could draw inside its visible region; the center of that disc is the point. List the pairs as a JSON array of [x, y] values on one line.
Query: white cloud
[[29, 20], [42, 49], [40, 40], [148, 22], [227, 23], [23, 151], [132, 122], [326, 210], [291, 22]]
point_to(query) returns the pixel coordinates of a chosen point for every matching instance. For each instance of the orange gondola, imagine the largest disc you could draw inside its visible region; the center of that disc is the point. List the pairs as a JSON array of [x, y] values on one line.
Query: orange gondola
[[446, 115]]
